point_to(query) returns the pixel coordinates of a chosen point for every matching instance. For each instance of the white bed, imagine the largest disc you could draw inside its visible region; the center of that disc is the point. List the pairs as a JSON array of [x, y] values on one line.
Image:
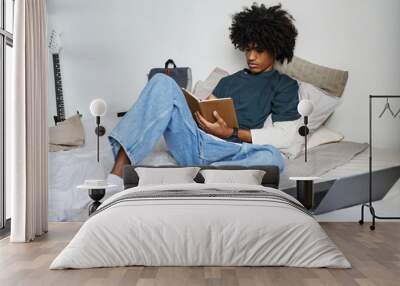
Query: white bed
[[67, 169], [70, 168], [193, 230]]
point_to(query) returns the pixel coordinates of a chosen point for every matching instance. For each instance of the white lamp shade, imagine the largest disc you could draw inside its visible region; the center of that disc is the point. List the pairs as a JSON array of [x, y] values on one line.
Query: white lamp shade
[[98, 107], [305, 107]]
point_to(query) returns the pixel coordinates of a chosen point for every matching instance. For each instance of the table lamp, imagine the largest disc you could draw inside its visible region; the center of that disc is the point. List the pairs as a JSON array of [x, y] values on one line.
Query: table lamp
[[305, 108], [98, 108]]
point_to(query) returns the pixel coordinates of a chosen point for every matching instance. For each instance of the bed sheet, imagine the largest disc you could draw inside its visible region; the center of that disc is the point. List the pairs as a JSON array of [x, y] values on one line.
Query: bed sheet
[[381, 159], [68, 169]]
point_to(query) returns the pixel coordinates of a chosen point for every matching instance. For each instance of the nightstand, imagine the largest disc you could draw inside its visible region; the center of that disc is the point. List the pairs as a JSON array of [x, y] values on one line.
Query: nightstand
[[96, 190], [304, 189]]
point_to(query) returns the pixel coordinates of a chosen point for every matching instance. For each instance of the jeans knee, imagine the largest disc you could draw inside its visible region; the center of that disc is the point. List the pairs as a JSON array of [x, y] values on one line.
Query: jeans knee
[[160, 78], [163, 86]]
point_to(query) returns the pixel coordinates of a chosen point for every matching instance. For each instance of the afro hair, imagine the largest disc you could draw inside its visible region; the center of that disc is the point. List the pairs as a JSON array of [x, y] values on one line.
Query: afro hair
[[270, 29]]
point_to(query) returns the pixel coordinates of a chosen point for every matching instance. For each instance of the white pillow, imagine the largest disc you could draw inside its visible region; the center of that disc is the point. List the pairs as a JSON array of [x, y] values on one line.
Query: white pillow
[[248, 177], [163, 176], [324, 104], [323, 135], [204, 88]]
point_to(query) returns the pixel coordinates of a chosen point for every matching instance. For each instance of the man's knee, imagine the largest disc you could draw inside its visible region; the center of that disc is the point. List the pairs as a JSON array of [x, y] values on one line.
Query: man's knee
[[160, 78], [163, 87]]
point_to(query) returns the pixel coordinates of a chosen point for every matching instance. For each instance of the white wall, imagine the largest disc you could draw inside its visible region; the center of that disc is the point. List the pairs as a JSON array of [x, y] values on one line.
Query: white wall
[[109, 46]]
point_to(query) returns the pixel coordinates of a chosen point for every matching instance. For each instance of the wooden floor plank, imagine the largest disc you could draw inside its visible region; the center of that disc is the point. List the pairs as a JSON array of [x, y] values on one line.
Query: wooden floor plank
[[375, 257]]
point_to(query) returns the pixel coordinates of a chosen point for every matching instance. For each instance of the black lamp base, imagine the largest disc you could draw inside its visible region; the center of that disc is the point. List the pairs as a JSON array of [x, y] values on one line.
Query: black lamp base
[[96, 195]]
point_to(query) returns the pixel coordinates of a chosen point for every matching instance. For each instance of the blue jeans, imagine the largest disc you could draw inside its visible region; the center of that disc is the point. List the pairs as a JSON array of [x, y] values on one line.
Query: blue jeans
[[161, 109]]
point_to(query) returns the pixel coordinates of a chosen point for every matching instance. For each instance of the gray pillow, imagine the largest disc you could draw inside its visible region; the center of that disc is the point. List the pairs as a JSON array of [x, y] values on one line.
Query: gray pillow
[[331, 80]]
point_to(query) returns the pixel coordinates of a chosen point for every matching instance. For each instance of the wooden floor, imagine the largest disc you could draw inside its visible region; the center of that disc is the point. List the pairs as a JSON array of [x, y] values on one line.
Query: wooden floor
[[375, 257]]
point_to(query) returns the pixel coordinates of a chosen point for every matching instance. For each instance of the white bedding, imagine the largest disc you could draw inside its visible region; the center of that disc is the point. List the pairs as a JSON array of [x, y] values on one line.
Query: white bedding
[[200, 231], [67, 169], [381, 159]]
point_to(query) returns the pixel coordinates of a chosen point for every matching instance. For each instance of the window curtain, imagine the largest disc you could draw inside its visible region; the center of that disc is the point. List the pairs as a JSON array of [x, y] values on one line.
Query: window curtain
[[26, 120]]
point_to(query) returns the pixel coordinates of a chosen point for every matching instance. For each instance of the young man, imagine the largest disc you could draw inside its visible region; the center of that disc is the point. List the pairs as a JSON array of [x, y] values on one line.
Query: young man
[[265, 35]]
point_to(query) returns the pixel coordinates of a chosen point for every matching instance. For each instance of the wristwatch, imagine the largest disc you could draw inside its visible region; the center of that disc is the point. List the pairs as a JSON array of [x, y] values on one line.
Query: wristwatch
[[235, 133]]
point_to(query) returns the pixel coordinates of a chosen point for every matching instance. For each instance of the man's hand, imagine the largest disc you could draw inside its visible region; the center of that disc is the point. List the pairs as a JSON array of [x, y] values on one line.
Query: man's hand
[[219, 128]]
